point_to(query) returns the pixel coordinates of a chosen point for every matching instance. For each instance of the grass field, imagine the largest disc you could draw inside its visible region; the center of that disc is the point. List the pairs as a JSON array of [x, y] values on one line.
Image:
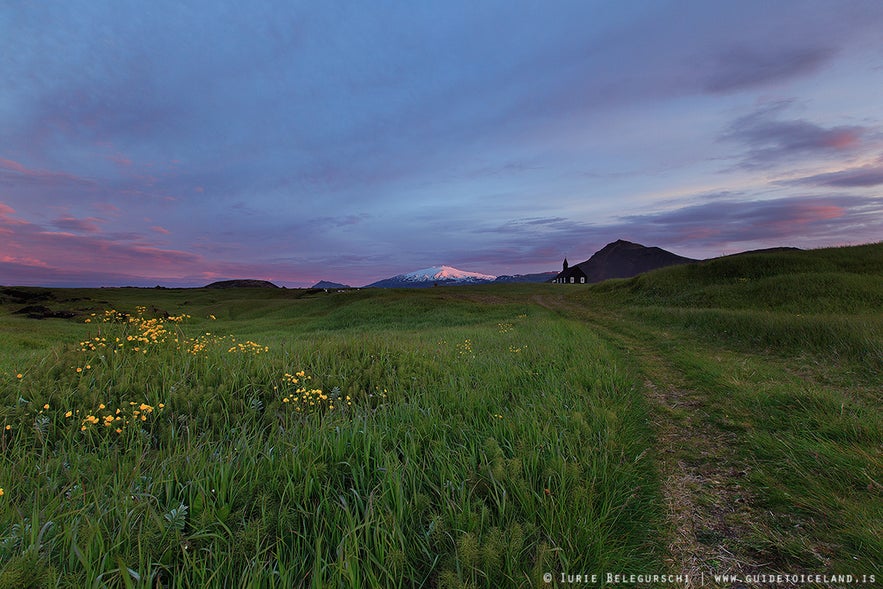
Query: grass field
[[722, 417]]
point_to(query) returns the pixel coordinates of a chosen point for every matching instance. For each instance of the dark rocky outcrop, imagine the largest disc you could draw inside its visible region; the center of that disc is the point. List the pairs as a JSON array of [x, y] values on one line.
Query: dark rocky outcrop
[[241, 284], [41, 312]]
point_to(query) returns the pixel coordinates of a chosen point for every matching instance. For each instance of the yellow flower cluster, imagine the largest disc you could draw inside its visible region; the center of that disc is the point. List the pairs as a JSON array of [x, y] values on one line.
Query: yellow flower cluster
[[465, 348], [150, 331], [202, 343], [310, 399], [504, 327], [517, 349], [249, 347], [305, 400], [92, 345], [296, 377], [117, 418]]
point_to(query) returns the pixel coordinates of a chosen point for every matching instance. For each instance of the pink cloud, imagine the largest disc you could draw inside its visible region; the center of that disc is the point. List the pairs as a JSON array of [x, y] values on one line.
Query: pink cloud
[[79, 248], [24, 260], [74, 256], [806, 213], [106, 207], [842, 139], [120, 160], [13, 166], [159, 229], [17, 173]]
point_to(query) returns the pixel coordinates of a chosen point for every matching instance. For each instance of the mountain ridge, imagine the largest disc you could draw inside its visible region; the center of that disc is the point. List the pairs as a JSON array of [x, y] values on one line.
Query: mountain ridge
[[619, 259]]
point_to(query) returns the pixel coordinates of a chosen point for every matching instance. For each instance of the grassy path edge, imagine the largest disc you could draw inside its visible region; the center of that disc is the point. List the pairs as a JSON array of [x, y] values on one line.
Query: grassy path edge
[[707, 511]]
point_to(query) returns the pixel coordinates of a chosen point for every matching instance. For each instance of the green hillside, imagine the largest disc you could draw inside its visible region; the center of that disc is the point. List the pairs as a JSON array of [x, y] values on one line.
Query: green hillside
[[720, 417]]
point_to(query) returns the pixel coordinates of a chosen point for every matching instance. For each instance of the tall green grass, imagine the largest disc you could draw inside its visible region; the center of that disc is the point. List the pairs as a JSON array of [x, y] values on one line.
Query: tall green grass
[[784, 350], [486, 444], [488, 441]]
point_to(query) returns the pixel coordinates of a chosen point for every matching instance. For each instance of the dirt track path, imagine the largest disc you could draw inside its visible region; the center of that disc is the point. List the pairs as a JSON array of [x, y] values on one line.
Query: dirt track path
[[708, 510]]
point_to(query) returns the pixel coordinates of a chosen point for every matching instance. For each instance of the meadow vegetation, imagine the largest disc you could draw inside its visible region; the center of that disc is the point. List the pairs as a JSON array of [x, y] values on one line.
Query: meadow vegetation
[[448, 437]]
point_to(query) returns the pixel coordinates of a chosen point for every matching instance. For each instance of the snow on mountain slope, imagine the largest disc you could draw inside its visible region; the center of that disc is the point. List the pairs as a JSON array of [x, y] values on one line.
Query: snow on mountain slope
[[426, 277], [444, 273]]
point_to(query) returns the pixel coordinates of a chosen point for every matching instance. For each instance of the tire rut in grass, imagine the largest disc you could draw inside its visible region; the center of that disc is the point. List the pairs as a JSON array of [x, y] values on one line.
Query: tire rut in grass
[[709, 512]]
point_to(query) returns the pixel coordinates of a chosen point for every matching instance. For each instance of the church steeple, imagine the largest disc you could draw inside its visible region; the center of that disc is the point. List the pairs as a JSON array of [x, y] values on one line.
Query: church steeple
[[565, 264]]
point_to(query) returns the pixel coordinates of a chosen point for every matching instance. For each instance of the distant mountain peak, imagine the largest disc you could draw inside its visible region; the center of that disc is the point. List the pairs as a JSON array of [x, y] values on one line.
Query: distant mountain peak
[[619, 259], [434, 275], [329, 284], [445, 273]]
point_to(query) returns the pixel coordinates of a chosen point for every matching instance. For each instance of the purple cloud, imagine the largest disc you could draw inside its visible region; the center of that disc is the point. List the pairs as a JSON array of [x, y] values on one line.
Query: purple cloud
[[792, 220], [740, 68], [770, 140], [69, 223], [862, 177]]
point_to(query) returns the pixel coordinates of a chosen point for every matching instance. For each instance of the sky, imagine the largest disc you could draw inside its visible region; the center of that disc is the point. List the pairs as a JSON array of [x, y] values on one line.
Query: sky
[[182, 142]]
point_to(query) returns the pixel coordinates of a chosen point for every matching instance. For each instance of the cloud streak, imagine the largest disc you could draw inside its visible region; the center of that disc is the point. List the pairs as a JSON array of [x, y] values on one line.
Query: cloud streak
[[861, 177]]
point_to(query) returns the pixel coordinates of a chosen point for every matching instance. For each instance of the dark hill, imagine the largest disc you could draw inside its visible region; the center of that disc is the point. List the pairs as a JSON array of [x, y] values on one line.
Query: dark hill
[[241, 284], [624, 259], [538, 277], [828, 280], [327, 284]]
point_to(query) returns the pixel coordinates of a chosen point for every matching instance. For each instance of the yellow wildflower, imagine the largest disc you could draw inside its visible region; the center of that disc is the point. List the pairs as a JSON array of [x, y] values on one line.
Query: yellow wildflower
[[46, 406], [19, 375]]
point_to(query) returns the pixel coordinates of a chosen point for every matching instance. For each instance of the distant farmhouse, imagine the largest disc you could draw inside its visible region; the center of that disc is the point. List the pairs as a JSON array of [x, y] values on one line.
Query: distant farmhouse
[[620, 259]]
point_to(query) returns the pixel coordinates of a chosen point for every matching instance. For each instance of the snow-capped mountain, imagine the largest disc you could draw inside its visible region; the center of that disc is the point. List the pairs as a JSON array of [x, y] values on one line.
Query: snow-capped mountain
[[446, 273], [442, 275]]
